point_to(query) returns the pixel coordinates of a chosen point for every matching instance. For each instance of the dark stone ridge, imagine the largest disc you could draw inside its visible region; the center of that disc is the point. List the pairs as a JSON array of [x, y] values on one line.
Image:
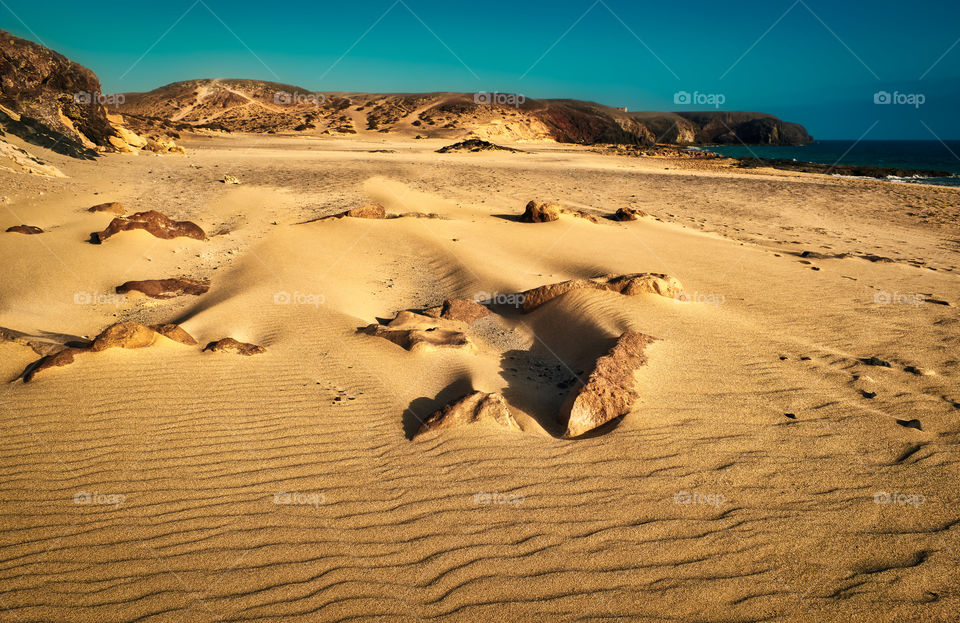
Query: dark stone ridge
[[854, 170], [474, 145], [24, 229]]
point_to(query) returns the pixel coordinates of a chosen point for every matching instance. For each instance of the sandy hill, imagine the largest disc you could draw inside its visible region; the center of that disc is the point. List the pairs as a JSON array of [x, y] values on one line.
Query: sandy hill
[[257, 106]]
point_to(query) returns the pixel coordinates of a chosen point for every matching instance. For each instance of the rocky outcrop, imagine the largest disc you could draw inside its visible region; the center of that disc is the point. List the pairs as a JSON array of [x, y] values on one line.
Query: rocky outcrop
[[474, 408], [230, 345], [420, 333], [610, 391], [112, 207], [630, 285], [152, 222], [24, 229], [119, 335], [50, 101], [165, 288], [734, 127]]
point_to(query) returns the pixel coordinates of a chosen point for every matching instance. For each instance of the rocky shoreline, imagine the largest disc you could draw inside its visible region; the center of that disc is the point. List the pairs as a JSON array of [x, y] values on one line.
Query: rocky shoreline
[[855, 170]]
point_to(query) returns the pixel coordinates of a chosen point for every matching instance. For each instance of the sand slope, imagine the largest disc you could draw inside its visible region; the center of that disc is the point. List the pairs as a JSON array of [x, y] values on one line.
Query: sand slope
[[754, 480]]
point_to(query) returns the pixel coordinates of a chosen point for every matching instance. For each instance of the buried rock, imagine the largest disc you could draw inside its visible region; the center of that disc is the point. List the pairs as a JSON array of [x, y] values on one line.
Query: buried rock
[[611, 389], [165, 288], [152, 222], [630, 285], [543, 212], [119, 335], [24, 229], [463, 310], [418, 333], [112, 207], [474, 408], [628, 214], [230, 345]]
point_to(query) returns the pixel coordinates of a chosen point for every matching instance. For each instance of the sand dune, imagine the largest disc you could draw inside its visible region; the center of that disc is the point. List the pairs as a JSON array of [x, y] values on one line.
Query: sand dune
[[765, 471]]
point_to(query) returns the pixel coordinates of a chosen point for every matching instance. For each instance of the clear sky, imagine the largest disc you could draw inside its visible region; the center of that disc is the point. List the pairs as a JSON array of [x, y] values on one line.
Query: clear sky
[[816, 62]]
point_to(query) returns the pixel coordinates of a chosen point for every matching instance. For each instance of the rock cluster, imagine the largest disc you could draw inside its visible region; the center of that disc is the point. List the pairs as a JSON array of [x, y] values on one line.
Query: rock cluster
[[119, 335]]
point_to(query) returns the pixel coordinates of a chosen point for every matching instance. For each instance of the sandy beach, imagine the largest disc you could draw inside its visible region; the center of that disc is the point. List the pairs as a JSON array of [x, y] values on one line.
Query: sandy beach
[[792, 454]]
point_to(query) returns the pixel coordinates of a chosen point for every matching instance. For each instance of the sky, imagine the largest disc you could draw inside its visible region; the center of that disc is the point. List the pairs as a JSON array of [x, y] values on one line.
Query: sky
[[845, 70]]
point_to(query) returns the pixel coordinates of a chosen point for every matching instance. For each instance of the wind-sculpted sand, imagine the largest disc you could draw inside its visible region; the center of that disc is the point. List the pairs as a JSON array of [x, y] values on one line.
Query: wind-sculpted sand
[[786, 449]]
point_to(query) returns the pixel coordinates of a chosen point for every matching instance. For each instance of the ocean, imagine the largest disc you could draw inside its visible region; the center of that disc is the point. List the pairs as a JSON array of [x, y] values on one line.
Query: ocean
[[930, 155]]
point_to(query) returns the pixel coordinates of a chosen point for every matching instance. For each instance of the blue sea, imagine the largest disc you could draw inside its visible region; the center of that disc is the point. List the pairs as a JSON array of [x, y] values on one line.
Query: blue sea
[[929, 155]]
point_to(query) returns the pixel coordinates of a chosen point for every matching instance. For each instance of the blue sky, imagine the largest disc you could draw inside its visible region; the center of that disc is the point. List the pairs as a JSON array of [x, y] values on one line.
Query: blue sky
[[816, 62]]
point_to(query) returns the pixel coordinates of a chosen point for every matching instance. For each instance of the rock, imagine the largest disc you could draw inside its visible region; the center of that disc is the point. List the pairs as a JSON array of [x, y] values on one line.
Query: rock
[[230, 345], [124, 335], [630, 285], [610, 391], [628, 214], [474, 408], [539, 212], [24, 229], [118, 335], [463, 310], [372, 210], [474, 145], [55, 360], [112, 207], [152, 222], [419, 333], [165, 288], [229, 179], [175, 332], [875, 361]]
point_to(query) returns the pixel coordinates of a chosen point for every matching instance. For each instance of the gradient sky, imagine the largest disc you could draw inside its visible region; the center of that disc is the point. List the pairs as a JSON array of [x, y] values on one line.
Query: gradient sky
[[816, 62]]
